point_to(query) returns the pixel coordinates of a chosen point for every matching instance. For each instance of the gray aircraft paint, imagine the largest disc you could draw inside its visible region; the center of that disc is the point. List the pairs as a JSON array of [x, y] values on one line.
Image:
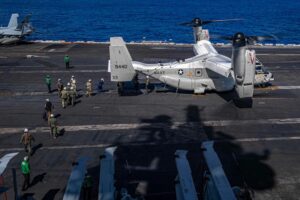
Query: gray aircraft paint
[[15, 31], [73, 188], [206, 71], [5, 160]]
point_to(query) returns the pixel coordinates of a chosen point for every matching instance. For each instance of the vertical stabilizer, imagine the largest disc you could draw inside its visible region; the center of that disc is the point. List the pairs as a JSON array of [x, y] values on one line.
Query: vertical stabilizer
[[13, 22], [120, 65]]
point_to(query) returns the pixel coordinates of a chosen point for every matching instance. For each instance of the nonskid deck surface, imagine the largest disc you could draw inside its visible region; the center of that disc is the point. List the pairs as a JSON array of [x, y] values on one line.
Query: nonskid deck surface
[[148, 129]]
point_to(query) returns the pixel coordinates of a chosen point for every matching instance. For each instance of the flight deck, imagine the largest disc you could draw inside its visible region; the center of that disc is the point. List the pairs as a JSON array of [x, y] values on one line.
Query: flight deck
[[258, 146]]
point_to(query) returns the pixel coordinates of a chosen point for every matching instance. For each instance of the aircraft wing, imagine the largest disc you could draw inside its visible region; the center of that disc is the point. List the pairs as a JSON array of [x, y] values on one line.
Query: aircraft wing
[[219, 64], [204, 47], [5, 160], [75, 181]]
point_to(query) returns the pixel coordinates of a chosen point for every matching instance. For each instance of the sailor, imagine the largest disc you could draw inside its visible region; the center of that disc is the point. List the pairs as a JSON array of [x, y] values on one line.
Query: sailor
[[73, 82], [89, 88], [64, 97], [72, 95], [48, 108], [87, 187], [136, 82], [67, 61], [68, 85], [53, 126], [120, 86], [27, 139], [68, 92], [25, 168], [100, 85], [48, 83], [59, 86], [147, 84]]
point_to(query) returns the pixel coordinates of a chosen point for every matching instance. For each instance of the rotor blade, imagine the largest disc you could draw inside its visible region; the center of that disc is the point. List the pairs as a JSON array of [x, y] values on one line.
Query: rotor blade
[[222, 37], [261, 38], [187, 24], [220, 20], [254, 39]]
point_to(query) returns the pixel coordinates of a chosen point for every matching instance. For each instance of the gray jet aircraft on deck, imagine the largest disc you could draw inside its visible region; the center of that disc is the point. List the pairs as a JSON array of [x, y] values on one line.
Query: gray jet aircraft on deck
[[15, 31]]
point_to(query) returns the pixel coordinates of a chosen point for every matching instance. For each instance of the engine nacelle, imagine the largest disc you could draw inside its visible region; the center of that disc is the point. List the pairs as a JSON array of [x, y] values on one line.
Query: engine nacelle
[[243, 62], [200, 34]]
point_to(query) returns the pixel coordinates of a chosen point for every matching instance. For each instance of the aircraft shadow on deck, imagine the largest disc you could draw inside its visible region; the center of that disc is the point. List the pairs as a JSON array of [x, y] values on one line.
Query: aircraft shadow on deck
[[149, 157], [50, 195]]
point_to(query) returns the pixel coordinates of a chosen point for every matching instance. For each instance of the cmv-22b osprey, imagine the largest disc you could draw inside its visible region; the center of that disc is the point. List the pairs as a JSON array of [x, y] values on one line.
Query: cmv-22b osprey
[[207, 70]]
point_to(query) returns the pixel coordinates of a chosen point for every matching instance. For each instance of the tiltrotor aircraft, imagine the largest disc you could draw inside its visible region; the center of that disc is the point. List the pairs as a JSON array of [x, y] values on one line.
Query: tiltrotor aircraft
[[262, 76], [208, 70], [15, 31]]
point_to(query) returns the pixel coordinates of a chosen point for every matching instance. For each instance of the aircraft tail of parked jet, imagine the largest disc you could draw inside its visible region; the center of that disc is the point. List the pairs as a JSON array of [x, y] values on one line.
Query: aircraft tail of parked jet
[[13, 22], [15, 31]]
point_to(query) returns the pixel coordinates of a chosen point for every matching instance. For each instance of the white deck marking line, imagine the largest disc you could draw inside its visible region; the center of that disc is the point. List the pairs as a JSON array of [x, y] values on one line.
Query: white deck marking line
[[267, 139], [288, 87], [86, 146], [292, 87], [33, 66], [103, 127], [250, 122], [278, 54], [175, 125], [55, 71]]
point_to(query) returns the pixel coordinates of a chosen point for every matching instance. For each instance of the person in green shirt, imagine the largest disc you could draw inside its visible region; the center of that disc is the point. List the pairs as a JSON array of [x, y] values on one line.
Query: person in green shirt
[[25, 168], [67, 61], [48, 83]]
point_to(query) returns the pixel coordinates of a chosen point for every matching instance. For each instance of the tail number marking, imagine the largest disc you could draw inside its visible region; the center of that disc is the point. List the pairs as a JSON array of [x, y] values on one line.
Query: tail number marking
[[120, 66]]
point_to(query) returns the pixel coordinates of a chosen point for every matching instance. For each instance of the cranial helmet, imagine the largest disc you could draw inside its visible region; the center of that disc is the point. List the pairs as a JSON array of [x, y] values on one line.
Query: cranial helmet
[[51, 115], [25, 130], [26, 158]]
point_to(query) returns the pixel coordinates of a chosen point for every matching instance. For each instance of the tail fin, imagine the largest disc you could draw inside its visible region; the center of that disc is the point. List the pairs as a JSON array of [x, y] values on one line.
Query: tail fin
[[120, 65], [13, 22], [25, 26], [243, 62]]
